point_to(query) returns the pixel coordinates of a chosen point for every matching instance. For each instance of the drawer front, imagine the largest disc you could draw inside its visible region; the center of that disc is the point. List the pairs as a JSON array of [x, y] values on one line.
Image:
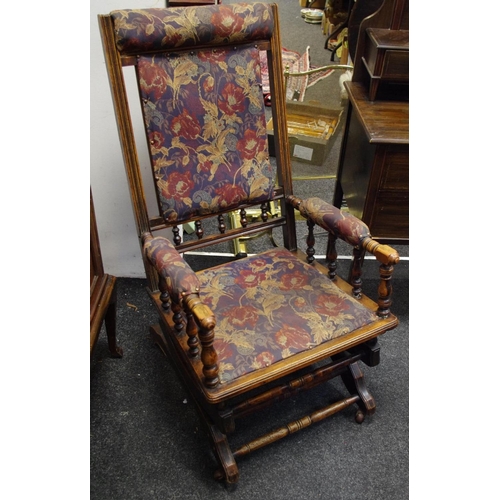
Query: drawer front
[[387, 204], [396, 65], [391, 217], [395, 169]]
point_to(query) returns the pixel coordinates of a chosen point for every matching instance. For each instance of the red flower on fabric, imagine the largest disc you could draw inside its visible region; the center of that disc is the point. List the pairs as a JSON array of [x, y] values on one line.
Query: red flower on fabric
[[205, 166], [223, 349], [330, 305], [299, 302], [290, 337], [214, 55], [249, 279], [153, 79], [226, 22], [156, 139], [185, 125], [263, 359], [179, 185], [230, 194], [293, 281], [243, 317], [231, 99], [250, 144]]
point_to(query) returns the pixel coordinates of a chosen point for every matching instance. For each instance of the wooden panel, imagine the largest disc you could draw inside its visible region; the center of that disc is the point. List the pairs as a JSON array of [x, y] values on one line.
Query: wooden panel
[[356, 166], [387, 203], [370, 58], [390, 218], [102, 292], [396, 65], [396, 172], [383, 121]]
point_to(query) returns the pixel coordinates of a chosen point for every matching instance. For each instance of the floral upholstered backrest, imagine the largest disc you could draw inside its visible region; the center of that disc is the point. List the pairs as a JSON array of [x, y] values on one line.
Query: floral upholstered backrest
[[203, 107]]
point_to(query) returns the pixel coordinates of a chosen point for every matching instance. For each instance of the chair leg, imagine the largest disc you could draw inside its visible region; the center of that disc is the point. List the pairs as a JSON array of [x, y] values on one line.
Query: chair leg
[[354, 380], [110, 322], [228, 469]]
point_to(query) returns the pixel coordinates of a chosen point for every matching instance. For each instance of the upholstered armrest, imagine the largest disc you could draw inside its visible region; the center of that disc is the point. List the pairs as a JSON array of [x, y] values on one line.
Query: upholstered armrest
[[181, 280], [345, 226]]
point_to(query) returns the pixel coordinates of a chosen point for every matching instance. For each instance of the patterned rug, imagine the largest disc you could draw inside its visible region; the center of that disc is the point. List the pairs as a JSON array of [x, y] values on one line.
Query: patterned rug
[[297, 85]]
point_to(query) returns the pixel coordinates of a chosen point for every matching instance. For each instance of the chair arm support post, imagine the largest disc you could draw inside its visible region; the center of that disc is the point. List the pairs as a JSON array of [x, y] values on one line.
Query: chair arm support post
[[331, 256], [206, 323], [356, 271], [385, 291], [310, 241], [181, 283]]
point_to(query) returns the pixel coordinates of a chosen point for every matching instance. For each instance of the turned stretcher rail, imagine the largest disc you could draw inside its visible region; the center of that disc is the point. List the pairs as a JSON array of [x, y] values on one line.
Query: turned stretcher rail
[[295, 426]]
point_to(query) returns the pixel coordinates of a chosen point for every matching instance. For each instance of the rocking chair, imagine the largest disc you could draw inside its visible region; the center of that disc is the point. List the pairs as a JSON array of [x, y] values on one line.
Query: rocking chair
[[256, 330]]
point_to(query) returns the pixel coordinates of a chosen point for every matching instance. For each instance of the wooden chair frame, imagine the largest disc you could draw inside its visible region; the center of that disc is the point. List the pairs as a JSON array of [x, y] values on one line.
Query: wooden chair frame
[[186, 326]]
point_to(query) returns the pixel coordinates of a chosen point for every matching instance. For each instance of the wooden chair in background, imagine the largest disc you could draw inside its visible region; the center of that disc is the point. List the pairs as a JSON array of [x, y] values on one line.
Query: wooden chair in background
[[102, 293]]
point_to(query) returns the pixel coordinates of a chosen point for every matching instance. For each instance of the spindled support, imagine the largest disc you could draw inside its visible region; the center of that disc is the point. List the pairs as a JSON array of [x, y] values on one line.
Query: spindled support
[[164, 296], [222, 224], [199, 229], [356, 271], [331, 256], [295, 426], [177, 237], [310, 242], [177, 317], [385, 291], [243, 218], [263, 212], [206, 324], [192, 332]]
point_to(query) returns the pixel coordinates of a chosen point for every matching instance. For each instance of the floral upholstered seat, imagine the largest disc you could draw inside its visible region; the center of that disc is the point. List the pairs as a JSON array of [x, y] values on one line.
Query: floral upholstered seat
[[271, 306]]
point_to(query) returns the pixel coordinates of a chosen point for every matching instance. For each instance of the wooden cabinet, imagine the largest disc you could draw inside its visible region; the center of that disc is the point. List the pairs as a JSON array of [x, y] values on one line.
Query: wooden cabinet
[[102, 293], [373, 174], [386, 58]]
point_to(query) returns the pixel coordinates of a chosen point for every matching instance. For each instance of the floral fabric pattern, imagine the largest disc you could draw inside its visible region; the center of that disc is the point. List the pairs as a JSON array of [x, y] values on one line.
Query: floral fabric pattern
[[271, 306], [161, 29], [180, 278], [344, 225], [205, 120]]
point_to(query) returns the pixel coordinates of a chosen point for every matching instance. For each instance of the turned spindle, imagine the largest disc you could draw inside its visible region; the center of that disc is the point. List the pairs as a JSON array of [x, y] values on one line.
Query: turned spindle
[[263, 210], [222, 224], [331, 256], [356, 271], [310, 242]]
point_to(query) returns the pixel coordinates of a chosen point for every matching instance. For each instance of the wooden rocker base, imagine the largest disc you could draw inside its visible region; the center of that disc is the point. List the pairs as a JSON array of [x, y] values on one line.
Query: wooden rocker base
[[347, 368]]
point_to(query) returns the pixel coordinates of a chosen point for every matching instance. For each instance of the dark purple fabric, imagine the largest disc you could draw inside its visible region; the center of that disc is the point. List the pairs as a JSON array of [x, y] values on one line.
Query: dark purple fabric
[[205, 119], [156, 29], [273, 305]]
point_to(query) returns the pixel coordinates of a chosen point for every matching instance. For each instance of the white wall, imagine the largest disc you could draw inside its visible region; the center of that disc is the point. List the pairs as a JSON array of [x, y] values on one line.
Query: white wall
[[117, 232]]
